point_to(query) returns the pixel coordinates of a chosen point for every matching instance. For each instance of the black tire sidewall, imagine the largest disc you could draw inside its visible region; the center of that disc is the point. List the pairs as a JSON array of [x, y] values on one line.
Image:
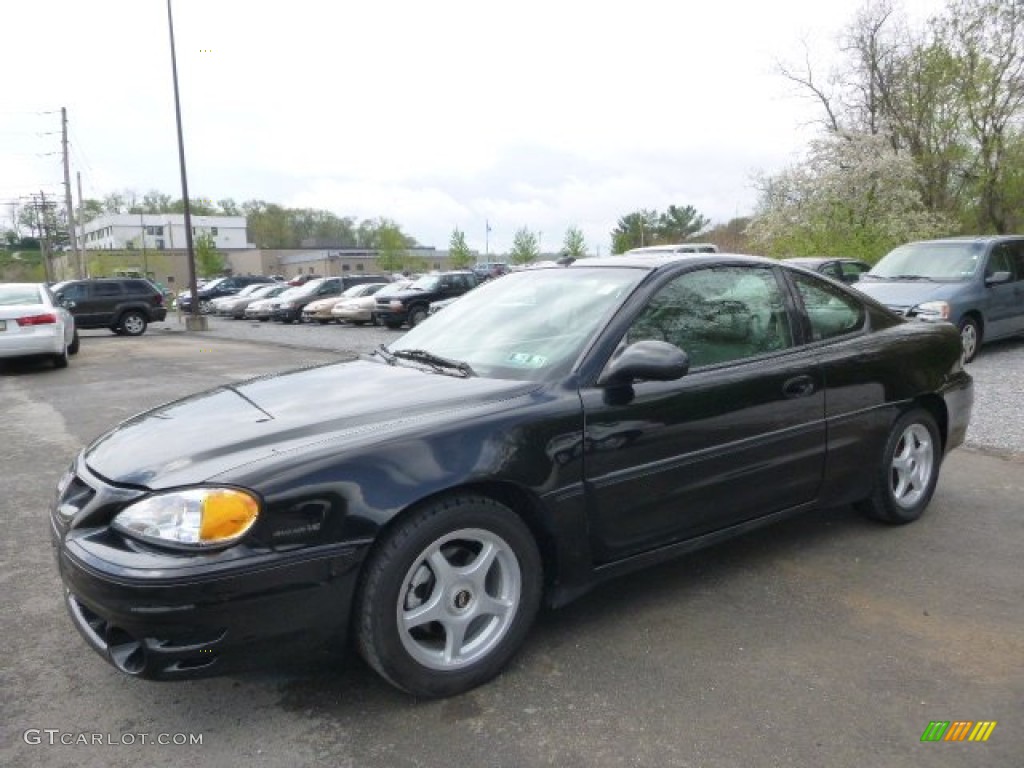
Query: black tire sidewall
[[128, 316], [977, 337], [383, 584], [882, 505]]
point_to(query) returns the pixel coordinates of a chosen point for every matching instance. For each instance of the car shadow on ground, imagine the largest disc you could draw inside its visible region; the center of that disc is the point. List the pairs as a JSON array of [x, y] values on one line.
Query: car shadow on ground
[[335, 682]]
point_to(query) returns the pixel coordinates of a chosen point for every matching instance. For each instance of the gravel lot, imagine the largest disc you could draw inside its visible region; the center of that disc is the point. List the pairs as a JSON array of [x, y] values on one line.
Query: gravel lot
[[997, 425]]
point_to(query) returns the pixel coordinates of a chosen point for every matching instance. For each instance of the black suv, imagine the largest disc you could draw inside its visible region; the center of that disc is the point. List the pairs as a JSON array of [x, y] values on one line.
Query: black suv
[[411, 304], [222, 286], [125, 305]]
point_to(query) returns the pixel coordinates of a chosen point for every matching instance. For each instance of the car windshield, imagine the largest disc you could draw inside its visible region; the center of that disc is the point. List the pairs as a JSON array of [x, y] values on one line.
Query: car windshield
[[426, 283], [529, 325], [309, 288], [390, 288], [353, 290], [13, 294], [213, 283], [930, 261]]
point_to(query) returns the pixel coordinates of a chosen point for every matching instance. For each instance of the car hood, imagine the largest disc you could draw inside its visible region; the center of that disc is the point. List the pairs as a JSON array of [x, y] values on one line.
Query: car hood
[[192, 440], [906, 293]]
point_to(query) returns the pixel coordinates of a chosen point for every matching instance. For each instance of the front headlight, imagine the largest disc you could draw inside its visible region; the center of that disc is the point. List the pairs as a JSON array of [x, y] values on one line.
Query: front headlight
[[933, 310], [199, 517]]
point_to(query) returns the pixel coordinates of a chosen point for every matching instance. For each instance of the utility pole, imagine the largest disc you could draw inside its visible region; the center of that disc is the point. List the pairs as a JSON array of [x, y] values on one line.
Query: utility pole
[[195, 321], [81, 222], [67, 191], [43, 244]]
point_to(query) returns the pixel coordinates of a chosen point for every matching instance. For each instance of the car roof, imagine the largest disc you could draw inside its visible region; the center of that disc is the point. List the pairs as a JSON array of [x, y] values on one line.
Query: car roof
[[654, 261], [969, 239]]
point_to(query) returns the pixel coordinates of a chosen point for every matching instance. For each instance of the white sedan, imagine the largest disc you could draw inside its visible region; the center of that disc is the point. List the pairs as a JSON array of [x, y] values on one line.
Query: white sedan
[[32, 322]]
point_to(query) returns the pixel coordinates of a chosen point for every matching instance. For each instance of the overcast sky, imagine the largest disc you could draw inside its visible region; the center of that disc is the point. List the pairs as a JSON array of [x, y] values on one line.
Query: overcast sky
[[443, 114]]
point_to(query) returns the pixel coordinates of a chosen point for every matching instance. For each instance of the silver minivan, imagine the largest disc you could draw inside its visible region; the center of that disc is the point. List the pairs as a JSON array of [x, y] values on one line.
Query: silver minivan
[[976, 283]]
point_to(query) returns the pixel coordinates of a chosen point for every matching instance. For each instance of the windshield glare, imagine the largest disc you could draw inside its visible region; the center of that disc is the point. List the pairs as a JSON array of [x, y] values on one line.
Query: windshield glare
[[935, 261], [529, 325], [426, 283]]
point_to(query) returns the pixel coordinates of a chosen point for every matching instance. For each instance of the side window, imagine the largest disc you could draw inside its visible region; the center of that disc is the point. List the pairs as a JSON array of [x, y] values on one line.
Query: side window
[[1017, 257], [831, 269], [1000, 260], [718, 315], [831, 312], [105, 290], [852, 271], [75, 292]]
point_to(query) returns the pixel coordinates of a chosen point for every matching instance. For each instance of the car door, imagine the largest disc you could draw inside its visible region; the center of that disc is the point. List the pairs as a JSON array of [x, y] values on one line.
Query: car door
[[1005, 312], [742, 435]]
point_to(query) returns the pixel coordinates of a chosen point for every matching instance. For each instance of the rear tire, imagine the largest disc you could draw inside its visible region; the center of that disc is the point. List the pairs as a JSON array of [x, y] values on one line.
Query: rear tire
[[73, 349], [909, 470], [448, 596], [61, 360]]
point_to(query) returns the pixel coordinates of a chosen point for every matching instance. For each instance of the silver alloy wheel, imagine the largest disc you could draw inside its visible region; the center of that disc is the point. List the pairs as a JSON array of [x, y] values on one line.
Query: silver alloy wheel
[[913, 463], [459, 599], [133, 324], [969, 340], [205, 306]]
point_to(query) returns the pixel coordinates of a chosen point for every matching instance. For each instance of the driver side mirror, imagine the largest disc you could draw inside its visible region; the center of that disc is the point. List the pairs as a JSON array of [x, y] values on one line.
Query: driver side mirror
[[997, 278], [646, 360]]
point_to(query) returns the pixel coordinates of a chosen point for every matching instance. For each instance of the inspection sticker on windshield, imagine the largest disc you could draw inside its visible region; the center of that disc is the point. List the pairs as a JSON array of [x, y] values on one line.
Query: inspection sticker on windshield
[[527, 360]]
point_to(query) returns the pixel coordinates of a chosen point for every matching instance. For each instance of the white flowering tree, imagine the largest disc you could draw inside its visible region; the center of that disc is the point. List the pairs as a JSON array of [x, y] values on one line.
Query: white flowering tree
[[852, 195]]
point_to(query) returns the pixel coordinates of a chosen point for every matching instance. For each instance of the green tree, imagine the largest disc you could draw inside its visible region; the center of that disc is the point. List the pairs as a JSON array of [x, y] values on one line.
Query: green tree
[[852, 196], [91, 208], [392, 249], [574, 244], [949, 95], [229, 207], [209, 262], [677, 225], [525, 248], [635, 230], [459, 255]]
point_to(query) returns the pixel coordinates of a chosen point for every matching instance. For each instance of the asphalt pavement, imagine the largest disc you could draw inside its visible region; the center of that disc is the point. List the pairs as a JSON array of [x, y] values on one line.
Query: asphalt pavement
[[827, 640]]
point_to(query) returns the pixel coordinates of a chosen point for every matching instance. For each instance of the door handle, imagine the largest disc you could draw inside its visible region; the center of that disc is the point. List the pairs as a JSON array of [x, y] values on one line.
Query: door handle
[[798, 386]]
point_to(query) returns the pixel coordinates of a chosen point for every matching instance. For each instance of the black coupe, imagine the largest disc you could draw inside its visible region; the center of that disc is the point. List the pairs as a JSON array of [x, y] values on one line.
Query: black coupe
[[549, 430]]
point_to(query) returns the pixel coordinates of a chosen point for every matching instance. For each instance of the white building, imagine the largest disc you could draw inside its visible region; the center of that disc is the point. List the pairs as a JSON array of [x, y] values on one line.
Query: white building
[[159, 231]]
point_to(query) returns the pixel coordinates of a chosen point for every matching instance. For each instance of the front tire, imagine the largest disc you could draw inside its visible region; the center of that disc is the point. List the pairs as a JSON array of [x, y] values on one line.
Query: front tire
[[416, 316], [75, 344], [970, 338], [909, 470], [448, 596]]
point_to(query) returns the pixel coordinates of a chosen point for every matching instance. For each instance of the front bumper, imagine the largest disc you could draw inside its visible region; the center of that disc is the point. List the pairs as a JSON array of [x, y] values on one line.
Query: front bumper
[[287, 315], [173, 615]]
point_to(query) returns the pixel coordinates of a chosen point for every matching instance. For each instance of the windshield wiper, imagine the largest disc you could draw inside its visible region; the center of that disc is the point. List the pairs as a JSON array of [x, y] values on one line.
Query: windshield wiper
[[910, 277], [382, 352], [437, 362]]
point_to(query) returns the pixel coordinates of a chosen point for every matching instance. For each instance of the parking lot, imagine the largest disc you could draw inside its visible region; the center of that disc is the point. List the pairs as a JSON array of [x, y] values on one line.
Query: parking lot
[[827, 640]]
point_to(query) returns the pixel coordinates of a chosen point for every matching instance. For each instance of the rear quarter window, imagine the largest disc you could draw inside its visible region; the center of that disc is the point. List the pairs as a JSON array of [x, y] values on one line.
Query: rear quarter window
[[830, 311]]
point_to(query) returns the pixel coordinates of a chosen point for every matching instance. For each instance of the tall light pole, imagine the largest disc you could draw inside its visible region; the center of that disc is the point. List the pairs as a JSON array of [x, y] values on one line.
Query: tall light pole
[[195, 321]]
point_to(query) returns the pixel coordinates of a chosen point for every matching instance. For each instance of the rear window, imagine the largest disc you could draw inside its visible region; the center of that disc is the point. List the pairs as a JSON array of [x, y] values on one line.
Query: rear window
[[14, 294]]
